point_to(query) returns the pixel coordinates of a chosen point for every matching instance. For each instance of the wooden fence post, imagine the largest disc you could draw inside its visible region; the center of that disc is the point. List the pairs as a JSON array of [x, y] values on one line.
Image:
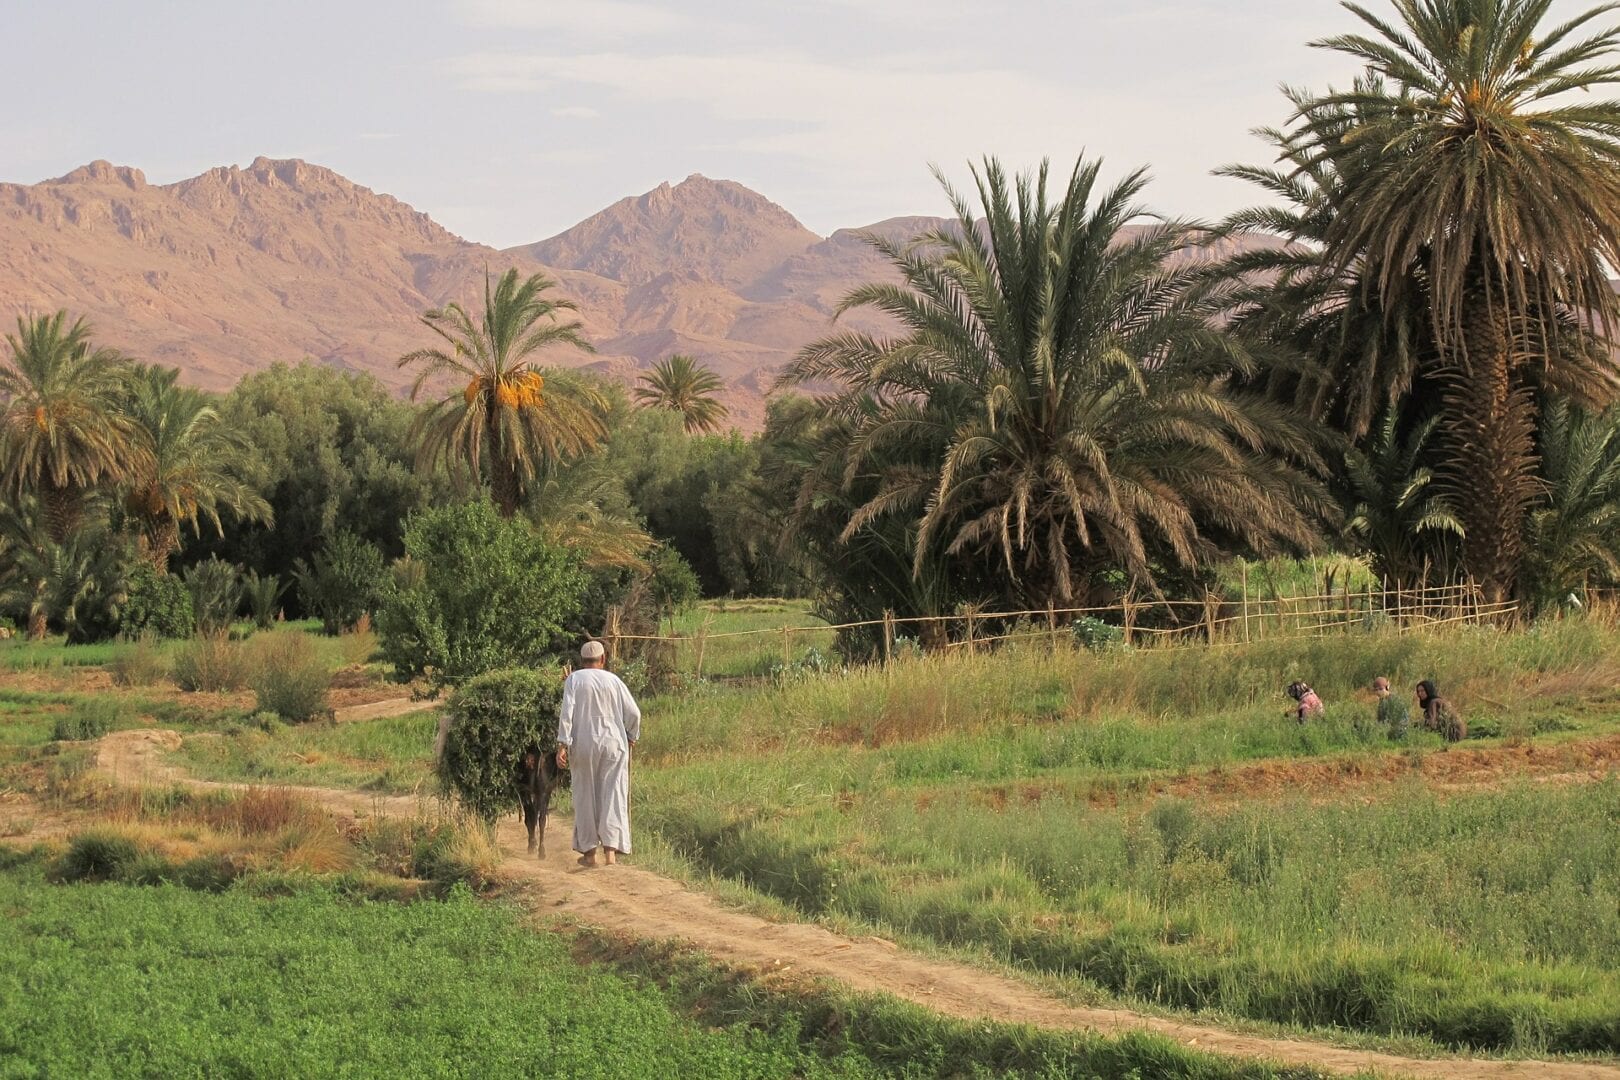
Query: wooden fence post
[[787, 647], [702, 642], [1128, 617], [888, 636], [1211, 606], [971, 646], [1051, 624], [1244, 565], [612, 634]]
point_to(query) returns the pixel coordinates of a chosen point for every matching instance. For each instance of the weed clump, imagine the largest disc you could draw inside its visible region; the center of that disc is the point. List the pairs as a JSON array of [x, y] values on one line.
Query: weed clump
[[143, 663], [88, 720], [211, 663], [288, 677]]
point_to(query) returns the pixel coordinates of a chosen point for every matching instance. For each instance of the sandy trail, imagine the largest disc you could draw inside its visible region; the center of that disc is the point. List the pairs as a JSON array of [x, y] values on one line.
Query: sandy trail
[[380, 710], [632, 901]]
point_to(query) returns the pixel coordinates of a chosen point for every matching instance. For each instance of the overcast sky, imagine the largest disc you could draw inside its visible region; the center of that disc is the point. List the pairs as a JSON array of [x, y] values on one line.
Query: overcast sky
[[510, 120]]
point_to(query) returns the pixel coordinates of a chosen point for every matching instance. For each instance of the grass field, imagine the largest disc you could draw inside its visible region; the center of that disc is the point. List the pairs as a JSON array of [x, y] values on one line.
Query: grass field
[[1137, 826], [1004, 805], [118, 980], [761, 650]]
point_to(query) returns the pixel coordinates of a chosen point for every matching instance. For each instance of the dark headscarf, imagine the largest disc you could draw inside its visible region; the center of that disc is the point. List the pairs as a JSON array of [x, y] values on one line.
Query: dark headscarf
[[1298, 690]]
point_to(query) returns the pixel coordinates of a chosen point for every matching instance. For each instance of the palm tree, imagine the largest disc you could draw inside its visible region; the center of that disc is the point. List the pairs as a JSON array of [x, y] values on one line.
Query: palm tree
[[1397, 516], [1323, 341], [1574, 531], [1481, 176], [514, 419], [683, 385], [62, 426], [192, 467], [79, 585], [1058, 398]]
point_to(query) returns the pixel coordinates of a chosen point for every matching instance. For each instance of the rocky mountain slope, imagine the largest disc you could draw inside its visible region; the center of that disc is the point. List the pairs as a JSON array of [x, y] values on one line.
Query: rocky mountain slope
[[230, 271]]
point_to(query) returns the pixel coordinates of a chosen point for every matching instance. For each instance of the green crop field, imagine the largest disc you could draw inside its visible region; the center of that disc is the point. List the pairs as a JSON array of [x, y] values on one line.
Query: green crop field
[[106, 980]]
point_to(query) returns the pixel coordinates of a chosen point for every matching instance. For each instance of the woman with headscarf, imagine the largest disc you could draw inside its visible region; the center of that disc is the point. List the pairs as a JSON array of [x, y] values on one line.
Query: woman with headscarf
[[1438, 714], [1309, 704]]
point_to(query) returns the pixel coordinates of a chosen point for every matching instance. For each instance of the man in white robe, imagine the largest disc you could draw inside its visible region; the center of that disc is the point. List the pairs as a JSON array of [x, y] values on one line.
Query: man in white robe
[[599, 724]]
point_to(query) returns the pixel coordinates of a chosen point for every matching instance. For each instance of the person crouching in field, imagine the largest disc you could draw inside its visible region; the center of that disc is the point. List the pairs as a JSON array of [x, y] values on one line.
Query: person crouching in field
[[595, 732], [1308, 703], [1438, 714], [1393, 715]]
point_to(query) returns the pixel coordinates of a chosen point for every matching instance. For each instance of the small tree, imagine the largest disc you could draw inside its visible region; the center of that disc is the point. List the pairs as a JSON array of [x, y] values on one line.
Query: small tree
[[216, 592], [343, 582], [491, 593], [158, 604], [496, 719]]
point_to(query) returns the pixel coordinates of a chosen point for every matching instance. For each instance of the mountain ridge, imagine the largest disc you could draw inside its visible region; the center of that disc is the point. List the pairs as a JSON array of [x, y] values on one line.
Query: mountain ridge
[[226, 272]]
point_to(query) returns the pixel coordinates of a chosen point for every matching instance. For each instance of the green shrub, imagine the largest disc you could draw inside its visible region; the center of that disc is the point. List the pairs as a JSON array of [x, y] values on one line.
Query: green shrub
[[1092, 633], [288, 676], [98, 855], [492, 594], [159, 604], [494, 720], [211, 662], [263, 595], [675, 585], [216, 593], [90, 719], [142, 663], [340, 583]]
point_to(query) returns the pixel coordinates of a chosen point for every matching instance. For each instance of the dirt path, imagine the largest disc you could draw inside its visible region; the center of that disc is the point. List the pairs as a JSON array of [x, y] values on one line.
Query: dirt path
[[635, 902], [380, 710]]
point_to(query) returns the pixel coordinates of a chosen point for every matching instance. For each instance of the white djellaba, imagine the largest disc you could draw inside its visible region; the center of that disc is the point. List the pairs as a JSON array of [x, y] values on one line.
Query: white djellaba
[[598, 725]]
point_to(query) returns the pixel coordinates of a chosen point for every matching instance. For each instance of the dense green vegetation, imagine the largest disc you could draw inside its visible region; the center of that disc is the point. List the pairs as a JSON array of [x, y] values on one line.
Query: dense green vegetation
[[251, 981]]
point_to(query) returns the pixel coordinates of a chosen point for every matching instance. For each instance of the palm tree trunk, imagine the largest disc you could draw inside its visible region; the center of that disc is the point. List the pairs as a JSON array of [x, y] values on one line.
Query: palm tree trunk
[[1490, 422], [505, 486], [159, 543], [64, 509]]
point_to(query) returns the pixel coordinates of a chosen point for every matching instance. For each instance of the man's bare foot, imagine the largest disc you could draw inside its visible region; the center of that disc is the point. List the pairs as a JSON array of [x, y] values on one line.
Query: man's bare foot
[[611, 856], [588, 859]]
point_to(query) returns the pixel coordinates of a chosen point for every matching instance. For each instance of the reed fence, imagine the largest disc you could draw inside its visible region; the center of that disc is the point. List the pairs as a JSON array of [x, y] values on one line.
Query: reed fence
[[1216, 619]]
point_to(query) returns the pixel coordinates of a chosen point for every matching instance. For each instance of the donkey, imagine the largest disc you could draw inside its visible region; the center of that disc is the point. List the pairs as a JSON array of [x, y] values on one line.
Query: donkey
[[537, 778]]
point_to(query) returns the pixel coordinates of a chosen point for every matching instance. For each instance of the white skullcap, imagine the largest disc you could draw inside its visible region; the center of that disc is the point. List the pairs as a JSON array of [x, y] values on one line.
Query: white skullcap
[[592, 650]]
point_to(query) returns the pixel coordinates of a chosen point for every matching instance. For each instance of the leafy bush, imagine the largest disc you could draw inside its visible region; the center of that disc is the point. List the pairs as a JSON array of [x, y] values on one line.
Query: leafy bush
[[1094, 634], [263, 593], [98, 855], [88, 720], [143, 663], [216, 593], [494, 720], [492, 594], [674, 583], [341, 582], [288, 676], [211, 663], [158, 604]]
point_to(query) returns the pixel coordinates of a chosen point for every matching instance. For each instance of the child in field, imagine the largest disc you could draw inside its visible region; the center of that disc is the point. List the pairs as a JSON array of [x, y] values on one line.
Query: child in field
[[1438, 714], [1393, 715], [1309, 704]]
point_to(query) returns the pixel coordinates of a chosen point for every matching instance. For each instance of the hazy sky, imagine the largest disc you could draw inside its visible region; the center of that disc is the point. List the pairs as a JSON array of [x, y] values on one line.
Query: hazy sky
[[509, 120]]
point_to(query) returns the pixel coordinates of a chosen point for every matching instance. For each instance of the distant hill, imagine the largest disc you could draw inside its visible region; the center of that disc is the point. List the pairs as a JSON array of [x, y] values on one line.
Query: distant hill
[[230, 271]]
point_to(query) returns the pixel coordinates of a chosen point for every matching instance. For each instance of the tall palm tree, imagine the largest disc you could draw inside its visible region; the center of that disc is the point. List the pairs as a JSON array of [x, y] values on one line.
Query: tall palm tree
[[1574, 530], [63, 430], [1397, 516], [513, 419], [683, 385], [192, 467], [1058, 397], [1504, 194], [1323, 342]]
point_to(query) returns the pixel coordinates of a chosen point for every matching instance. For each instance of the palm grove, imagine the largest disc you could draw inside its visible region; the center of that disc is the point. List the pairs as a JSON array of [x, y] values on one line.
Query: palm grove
[[1410, 359]]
